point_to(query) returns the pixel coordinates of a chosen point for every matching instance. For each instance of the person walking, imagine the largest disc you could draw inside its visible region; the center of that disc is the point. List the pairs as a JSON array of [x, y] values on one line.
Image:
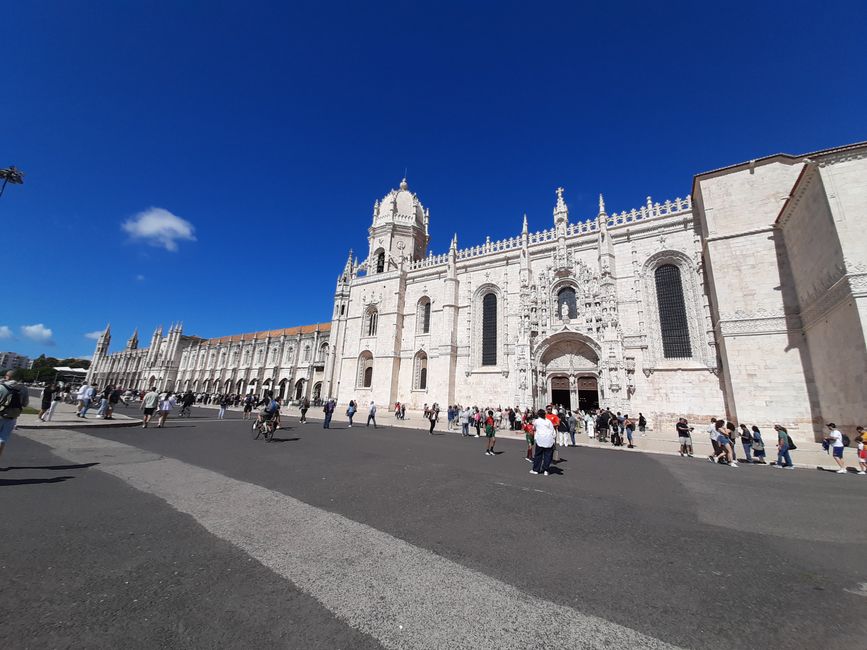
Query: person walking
[[433, 416], [13, 398], [102, 411], [56, 398], [328, 409], [758, 446], [167, 403], [723, 444], [45, 405], [113, 399], [305, 404], [490, 433], [642, 423], [149, 404], [684, 437], [835, 442], [477, 421], [89, 394], [544, 437], [80, 396], [371, 414], [350, 412], [784, 460], [224, 404], [747, 443], [248, 408]]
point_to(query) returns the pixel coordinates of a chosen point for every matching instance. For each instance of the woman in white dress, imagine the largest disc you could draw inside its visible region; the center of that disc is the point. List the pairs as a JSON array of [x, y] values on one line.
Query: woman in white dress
[[589, 425]]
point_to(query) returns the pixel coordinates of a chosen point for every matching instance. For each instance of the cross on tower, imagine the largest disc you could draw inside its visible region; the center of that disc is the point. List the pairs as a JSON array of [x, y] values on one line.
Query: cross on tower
[[560, 194]]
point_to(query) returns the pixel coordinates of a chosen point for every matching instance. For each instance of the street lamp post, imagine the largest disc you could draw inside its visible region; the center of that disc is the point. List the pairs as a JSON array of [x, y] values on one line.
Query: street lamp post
[[11, 175]]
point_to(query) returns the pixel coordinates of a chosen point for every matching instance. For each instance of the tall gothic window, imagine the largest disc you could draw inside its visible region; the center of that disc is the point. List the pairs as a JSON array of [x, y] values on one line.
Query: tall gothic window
[[380, 262], [566, 296], [372, 317], [489, 330], [673, 322], [424, 316]]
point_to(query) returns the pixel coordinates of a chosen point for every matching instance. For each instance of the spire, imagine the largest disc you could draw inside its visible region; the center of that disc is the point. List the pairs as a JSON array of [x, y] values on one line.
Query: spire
[[108, 329], [348, 266], [524, 228], [561, 211], [601, 204], [454, 245]]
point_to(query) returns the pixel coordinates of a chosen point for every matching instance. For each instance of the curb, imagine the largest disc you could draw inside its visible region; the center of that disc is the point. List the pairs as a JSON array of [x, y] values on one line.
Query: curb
[[95, 425]]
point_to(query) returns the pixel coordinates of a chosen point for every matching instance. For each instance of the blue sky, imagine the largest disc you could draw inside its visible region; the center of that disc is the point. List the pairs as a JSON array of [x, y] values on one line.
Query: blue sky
[[269, 129]]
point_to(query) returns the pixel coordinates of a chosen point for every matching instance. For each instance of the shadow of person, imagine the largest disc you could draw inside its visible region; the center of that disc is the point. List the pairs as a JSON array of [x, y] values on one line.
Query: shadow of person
[[284, 439], [54, 467], [33, 481]]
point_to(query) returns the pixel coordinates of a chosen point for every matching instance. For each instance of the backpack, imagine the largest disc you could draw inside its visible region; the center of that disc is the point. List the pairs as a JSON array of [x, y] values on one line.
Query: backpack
[[10, 405]]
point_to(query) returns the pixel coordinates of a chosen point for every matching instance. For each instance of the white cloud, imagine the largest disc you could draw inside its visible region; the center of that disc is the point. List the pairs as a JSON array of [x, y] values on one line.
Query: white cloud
[[93, 335], [160, 228], [38, 333], [5, 332]]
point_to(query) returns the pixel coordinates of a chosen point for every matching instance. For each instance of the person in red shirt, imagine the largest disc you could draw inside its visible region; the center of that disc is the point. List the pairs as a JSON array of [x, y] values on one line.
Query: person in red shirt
[[490, 433], [552, 417]]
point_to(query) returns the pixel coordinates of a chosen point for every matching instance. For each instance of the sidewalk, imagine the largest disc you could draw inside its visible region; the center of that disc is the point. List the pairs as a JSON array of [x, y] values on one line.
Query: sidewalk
[[64, 417], [807, 455]]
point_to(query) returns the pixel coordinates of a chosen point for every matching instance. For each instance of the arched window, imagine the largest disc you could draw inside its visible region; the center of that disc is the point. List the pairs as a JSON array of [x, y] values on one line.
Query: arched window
[[420, 372], [423, 311], [260, 356], [247, 357], [234, 357], [323, 352], [566, 305], [489, 330], [306, 353], [289, 351], [365, 370], [370, 326], [673, 323], [380, 262]]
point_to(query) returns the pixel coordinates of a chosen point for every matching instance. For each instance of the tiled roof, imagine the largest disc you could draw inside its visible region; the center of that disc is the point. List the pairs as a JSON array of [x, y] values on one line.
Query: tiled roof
[[288, 331]]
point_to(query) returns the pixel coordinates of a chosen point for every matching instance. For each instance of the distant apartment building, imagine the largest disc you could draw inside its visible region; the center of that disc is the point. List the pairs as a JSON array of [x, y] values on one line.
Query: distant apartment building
[[10, 360]]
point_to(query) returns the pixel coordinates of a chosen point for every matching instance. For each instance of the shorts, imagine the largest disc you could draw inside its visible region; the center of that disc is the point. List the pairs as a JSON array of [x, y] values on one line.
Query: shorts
[[838, 452], [6, 426], [149, 411], [531, 440], [492, 433], [685, 440]]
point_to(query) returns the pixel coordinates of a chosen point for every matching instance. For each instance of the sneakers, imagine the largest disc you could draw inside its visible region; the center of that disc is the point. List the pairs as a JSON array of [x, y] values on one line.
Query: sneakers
[[734, 463], [789, 467], [690, 455], [862, 472], [532, 471], [546, 473], [530, 460], [711, 459], [842, 471]]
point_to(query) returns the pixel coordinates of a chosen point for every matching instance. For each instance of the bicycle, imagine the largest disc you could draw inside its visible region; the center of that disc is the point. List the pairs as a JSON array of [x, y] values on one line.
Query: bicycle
[[186, 412], [264, 428]]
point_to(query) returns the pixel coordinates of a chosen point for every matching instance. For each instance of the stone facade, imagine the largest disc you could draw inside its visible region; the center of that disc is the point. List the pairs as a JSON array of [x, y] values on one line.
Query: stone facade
[[290, 362], [746, 300]]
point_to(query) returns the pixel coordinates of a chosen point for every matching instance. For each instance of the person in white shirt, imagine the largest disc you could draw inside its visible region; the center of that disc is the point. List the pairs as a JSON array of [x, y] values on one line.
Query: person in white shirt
[[588, 424], [835, 442], [371, 415], [465, 422], [544, 437], [167, 403]]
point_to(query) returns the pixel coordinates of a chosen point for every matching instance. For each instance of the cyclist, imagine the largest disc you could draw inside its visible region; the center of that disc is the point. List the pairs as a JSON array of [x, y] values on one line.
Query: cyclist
[[269, 412], [187, 402]]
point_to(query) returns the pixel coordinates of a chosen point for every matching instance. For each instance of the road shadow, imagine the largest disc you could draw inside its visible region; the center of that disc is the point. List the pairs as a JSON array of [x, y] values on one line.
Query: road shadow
[[53, 467], [33, 481], [284, 439]]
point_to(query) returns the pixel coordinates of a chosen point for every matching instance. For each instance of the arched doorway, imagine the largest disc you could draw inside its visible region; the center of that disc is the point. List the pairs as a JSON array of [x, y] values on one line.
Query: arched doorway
[[569, 366], [299, 389], [239, 387], [282, 393], [253, 386], [317, 390]]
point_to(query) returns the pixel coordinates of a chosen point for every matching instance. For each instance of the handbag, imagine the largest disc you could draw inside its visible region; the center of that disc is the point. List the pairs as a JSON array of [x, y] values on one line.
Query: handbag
[[792, 445], [758, 446], [556, 457]]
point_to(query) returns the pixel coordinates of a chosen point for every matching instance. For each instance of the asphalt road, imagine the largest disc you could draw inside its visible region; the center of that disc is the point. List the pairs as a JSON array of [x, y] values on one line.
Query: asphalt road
[[132, 550]]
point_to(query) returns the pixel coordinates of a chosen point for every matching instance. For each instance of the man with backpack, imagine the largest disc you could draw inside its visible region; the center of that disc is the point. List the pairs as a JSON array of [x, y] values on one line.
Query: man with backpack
[[13, 398]]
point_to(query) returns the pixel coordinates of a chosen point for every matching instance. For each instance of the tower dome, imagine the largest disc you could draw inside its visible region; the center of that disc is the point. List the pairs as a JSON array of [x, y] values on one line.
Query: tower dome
[[399, 229], [400, 206]]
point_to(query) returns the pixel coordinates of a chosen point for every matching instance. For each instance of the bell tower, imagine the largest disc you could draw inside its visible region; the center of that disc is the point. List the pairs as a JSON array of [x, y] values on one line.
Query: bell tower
[[399, 230]]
